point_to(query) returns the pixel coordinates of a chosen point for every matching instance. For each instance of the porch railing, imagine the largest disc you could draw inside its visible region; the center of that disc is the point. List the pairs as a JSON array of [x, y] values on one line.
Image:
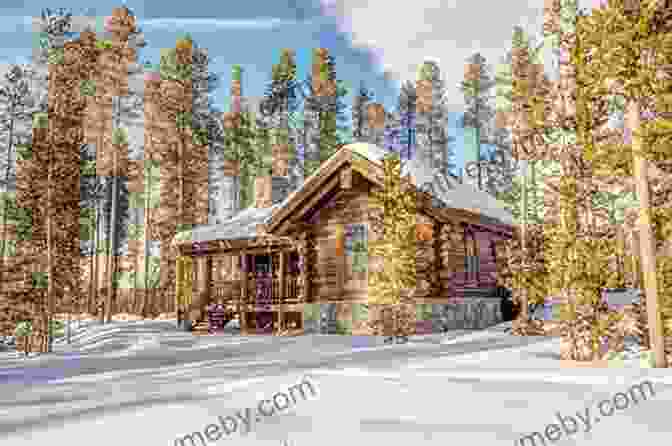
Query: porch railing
[[229, 292]]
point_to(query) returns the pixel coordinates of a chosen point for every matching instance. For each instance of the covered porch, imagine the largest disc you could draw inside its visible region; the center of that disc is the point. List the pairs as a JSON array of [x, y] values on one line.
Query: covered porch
[[251, 276], [260, 286]]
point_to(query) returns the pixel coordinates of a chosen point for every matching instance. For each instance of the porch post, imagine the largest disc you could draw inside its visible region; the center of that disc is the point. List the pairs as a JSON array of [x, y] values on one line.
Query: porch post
[[447, 246], [467, 260], [635, 259], [303, 248], [206, 277], [242, 308], [270, 290], [436, 271], [281, 289]]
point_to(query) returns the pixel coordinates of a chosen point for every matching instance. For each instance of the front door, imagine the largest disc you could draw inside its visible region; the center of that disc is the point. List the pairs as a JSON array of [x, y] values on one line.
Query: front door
[[263, 280]]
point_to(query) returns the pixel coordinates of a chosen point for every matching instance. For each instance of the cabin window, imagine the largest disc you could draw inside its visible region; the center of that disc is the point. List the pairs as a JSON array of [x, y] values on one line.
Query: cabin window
[[356, 246], [472, 263], [293, 265]]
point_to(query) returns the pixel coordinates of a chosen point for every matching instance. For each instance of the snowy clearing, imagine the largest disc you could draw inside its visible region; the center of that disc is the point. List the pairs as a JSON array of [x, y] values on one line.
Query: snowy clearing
[[147, 382]]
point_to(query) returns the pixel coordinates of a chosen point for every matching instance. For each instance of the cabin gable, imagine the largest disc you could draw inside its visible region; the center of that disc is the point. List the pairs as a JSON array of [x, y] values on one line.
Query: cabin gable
[[338, 227]]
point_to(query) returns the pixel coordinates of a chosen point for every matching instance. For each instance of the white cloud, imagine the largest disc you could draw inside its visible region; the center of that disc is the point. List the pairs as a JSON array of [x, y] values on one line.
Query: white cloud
[[78, 23], [402, 37], [169, 22]]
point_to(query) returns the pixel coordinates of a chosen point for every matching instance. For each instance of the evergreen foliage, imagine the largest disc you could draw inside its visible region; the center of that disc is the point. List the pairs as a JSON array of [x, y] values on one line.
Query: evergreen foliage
[[103, 44], [239, 146], [406, 118], [630, 57], [433, 141], [277, 123], [170, 69], [119, 136], [325, 118], [40, 121], [56, 56], [87, 87], [394, 221]]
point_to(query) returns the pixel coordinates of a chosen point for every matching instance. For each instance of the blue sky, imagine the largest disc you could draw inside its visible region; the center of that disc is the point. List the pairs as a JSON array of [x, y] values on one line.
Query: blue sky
[[374, 41]]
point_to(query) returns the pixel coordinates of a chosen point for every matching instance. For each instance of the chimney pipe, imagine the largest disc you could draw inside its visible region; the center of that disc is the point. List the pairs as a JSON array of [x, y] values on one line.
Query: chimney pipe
[[376, 119]]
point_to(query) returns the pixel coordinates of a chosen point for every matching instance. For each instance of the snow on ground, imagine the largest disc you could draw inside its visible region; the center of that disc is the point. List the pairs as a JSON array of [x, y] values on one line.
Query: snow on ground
[[148, 383]]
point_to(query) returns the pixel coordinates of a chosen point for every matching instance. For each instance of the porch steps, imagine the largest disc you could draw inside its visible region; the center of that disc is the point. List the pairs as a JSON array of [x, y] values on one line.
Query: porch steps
[[201, 328]]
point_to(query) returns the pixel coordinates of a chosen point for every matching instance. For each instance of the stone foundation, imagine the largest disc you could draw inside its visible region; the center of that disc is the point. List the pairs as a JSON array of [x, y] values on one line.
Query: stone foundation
[[468, 313]]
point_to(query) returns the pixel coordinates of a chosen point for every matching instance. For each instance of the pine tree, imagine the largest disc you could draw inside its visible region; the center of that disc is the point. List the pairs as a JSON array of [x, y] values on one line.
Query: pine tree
[[205, 127], [392, 280], [204, 84], [537, 206], [333, 128], [91, 198], [238, 144], [394, 222], [506, 176], [116, 207], [432, 119], [525, 84], [560, 121], [406, 114], [150, 197], [324, 112], [476, 87], [16, 102], [633, 61], [279, 107]]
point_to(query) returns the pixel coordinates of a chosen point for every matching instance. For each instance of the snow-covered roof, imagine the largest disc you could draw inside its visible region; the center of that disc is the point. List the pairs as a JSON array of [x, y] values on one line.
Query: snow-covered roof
[[449, 190], [242, 226]]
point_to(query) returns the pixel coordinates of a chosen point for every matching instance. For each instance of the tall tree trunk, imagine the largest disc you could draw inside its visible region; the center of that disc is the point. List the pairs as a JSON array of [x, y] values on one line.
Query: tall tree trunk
[[647, 239], [147, 197], [3, 242], [478, 152], [69, 322], [113, 241], [50, 253], [93, 265], [180, 173], [180, 212], [430, 142], [102, 266], [136, 264], [533, 184], [523, 235]]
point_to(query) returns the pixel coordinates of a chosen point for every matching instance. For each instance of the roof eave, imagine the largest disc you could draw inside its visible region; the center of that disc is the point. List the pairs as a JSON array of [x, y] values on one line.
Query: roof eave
[[311, 185]]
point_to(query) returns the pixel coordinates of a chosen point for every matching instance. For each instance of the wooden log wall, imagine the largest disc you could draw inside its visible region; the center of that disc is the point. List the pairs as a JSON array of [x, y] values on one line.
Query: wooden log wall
[[486, 258], [325, 286], [424, 261], [501, 259], [452, 256], [437, 263], [307, 269], [333, 279]]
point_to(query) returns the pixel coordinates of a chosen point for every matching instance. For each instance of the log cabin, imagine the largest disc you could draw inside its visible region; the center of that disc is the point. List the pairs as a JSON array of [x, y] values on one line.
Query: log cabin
[[268, 263]]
